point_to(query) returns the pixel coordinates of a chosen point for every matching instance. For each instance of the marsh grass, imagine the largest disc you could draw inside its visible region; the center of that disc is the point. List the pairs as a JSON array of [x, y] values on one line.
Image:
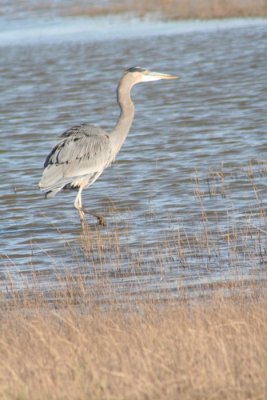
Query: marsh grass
[[175, 9], [189, 349], [183, 317], [89, 335]]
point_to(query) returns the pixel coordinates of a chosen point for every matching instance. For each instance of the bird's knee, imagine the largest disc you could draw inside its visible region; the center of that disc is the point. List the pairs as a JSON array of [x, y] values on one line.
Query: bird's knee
[[77, 204]]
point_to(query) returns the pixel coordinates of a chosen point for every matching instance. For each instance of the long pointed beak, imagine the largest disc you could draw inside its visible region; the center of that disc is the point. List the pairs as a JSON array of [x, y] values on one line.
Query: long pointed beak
[[149, 76], [159, 75]]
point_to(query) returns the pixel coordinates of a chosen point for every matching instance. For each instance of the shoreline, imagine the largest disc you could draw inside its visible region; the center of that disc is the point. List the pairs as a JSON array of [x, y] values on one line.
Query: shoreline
[[105, 28]]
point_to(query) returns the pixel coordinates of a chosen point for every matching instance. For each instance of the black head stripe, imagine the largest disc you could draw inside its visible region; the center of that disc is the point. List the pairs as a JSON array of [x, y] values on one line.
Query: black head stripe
[[136, 69]]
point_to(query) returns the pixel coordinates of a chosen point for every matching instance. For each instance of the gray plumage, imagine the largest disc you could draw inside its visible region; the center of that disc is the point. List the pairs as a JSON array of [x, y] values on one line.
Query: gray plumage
[[84, 151]]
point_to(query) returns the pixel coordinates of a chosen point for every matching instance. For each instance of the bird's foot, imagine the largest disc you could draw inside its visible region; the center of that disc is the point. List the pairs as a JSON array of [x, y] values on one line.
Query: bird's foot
[[100, 220]]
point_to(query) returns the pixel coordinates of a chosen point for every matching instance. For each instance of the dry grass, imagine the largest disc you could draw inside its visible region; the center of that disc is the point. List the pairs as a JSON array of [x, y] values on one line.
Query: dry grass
[[84, 334], [176, 9], [185, 350], [82, 337]]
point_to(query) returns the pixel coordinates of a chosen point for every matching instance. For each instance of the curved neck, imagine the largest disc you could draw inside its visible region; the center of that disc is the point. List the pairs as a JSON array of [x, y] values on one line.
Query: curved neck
[[125, 120]]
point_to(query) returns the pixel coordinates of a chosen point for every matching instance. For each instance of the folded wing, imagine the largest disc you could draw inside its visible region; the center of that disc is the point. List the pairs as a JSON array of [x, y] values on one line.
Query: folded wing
[[83, 153]]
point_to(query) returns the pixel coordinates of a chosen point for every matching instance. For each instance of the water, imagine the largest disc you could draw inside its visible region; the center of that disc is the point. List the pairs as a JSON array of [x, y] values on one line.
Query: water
[[185, 201]]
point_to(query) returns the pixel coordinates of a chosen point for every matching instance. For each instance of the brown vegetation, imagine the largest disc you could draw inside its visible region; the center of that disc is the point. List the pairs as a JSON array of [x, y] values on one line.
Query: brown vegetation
[[74, 348], [176, 9], [79, 335]]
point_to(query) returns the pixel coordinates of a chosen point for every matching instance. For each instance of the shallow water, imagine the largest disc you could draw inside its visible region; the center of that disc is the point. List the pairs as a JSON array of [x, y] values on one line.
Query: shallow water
[[185, 201]]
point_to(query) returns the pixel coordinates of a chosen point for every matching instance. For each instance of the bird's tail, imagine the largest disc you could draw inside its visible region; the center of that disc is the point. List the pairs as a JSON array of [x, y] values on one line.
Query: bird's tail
[[52, 181], [52, 190], [52, 193]]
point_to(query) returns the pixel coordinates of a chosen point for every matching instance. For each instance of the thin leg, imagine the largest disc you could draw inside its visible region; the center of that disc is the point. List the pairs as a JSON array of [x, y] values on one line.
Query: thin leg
[[78, 206]]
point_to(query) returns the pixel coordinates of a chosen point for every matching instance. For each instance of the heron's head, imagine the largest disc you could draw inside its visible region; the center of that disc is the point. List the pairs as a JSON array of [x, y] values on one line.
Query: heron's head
[[144, 75]]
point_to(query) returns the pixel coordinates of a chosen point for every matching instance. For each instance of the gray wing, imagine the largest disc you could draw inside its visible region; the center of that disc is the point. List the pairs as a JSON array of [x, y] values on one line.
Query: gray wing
[[84, 151]]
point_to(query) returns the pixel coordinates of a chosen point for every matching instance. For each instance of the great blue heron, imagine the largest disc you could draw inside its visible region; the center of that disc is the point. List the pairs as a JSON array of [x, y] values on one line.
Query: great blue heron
[[85, 150]]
